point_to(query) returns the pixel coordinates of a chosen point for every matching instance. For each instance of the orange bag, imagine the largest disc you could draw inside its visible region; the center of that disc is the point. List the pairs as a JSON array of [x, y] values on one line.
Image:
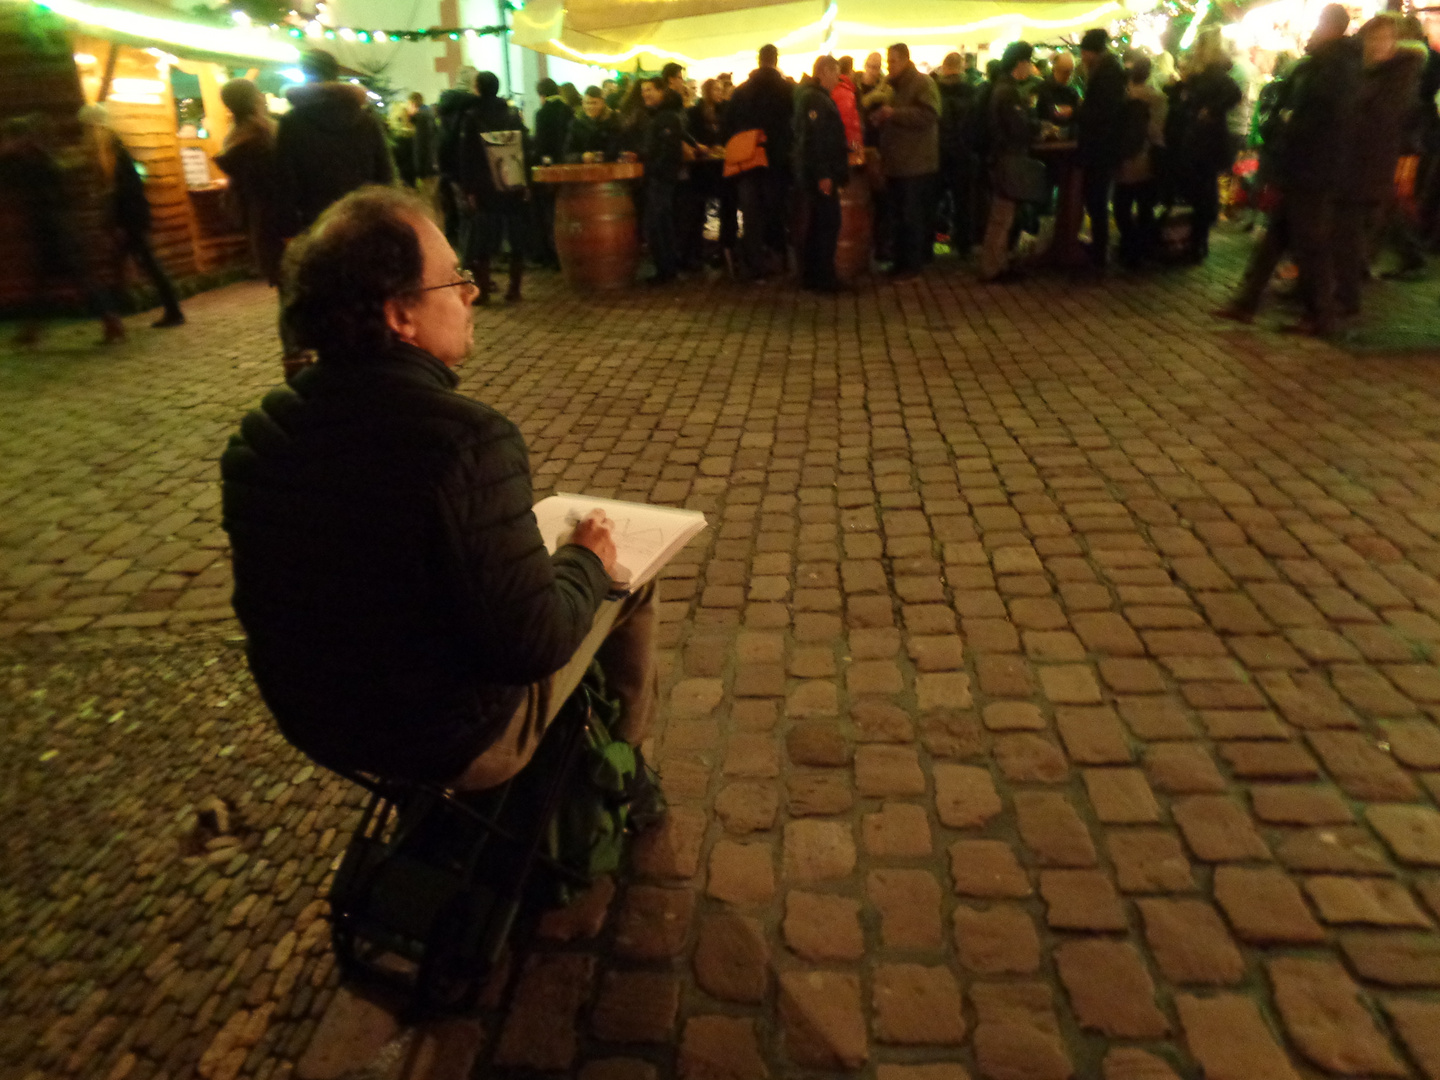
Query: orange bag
[[745, 151], [1406, 171]]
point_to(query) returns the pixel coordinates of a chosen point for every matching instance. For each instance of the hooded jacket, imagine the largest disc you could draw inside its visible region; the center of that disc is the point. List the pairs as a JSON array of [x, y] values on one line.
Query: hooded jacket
[[327, 145], [389, 573]]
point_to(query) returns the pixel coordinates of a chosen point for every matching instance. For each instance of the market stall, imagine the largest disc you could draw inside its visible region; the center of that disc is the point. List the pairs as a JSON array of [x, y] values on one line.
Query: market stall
[[161, 96]]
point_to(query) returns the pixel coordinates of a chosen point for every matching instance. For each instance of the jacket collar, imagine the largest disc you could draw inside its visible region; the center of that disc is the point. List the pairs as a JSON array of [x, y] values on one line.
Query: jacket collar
[[419, 366], [400, 361]]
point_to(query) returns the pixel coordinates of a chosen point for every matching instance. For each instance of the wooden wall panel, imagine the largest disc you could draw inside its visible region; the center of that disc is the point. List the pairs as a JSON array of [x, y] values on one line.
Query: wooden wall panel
[[39, 77]]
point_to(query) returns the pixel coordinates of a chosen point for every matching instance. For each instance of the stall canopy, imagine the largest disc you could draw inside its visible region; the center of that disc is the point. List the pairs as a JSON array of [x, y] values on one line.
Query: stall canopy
[[724, 34], [149, 23]]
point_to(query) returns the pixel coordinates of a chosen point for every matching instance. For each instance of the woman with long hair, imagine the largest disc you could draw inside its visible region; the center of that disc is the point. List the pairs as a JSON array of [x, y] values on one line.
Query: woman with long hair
[[706, 125], [248, 159], [1205, 97]]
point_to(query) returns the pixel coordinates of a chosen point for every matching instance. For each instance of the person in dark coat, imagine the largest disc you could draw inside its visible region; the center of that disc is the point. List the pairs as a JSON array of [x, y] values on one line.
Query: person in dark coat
[[400, 129], [909, 125], [1319, 120], [1056, 99], [822, 166], [704, 124], [594, 134], [1399, 228], [1427, 184], [552, 121], [1384, 108], [1135, 187], [127, 212], [958, 163], [662, 153], [450, 110], [33, 182], [427, 168], [497, 219], [1206, 96], [402, 614], [1098, 125], [765, 102], [328, 144], [1012, 131], [552, 125], [248, 159]]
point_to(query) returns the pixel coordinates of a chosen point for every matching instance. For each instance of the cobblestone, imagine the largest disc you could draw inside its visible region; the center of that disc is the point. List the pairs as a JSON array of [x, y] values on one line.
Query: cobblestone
[[1013, 605]]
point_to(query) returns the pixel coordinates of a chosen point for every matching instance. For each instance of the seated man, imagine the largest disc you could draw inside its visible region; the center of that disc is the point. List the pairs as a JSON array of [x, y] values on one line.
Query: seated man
[[404, 617]]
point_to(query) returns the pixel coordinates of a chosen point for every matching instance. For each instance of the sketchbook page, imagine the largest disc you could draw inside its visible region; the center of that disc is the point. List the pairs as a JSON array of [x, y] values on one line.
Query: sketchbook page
[[646, 537]]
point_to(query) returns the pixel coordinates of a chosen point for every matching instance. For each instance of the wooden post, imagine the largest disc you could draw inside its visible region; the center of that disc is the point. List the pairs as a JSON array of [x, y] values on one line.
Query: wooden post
[[109, 75]]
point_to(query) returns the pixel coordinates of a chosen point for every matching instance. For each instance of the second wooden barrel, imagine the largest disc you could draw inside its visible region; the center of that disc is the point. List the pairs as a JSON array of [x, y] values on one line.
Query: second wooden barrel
[[595, 235], [852, 253]]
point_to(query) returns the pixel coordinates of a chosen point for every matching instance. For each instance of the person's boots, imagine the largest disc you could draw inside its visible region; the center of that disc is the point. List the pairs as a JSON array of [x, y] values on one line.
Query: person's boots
[[113, 329], [481, 271], [517, 272], [173, 317]]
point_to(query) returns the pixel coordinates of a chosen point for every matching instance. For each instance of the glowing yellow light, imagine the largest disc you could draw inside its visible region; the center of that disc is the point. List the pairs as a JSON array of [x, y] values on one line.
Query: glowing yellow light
[[829, 29], [228, 41], [993, 22], [138, 86], [616, 59], [84, 58], [1193, 30]]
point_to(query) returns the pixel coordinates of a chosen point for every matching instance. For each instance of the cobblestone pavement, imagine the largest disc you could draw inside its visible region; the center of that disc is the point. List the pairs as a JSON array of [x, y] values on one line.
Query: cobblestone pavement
[[1054, 694]]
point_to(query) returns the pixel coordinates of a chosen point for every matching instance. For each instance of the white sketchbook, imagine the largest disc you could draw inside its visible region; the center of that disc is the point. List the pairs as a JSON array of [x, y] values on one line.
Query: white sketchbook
[[646, 537]]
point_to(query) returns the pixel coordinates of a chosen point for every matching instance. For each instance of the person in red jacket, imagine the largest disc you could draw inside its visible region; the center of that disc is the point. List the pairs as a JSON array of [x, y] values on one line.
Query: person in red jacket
[[847, 101]]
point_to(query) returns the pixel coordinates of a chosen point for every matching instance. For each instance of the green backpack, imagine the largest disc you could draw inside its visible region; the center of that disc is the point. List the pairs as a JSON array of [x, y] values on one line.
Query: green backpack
[[612, 792]]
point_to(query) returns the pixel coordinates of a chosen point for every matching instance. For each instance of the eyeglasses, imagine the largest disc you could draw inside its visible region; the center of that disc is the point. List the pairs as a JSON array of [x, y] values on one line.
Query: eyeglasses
[[466, 280]]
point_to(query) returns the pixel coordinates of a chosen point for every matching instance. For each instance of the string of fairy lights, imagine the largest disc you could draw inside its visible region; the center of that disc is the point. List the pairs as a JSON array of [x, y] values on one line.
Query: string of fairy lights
[[319, 31]]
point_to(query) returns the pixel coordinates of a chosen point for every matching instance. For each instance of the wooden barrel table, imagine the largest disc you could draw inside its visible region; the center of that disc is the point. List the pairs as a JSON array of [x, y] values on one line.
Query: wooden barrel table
[[596, 234], [856, 242], [857, 222], [1065, 250]]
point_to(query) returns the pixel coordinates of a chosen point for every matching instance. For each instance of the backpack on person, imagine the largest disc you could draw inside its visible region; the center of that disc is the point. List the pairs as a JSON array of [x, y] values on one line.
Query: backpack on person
[[1134, 132], [505, 155], [489, 158]]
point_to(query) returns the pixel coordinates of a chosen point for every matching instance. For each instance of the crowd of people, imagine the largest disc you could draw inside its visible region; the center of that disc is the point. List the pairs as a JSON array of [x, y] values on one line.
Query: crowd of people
[[959, 157], [748, 176]]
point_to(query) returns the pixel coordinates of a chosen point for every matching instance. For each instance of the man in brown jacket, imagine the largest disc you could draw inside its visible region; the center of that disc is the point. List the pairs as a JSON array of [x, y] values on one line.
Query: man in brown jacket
[[909, 126]]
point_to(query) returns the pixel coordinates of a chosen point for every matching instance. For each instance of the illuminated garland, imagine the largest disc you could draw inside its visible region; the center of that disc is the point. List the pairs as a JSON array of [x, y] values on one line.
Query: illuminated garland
[[368, 37]]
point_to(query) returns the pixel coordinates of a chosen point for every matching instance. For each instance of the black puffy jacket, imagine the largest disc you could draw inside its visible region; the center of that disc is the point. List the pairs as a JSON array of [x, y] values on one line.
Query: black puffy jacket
[[389, 572]]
